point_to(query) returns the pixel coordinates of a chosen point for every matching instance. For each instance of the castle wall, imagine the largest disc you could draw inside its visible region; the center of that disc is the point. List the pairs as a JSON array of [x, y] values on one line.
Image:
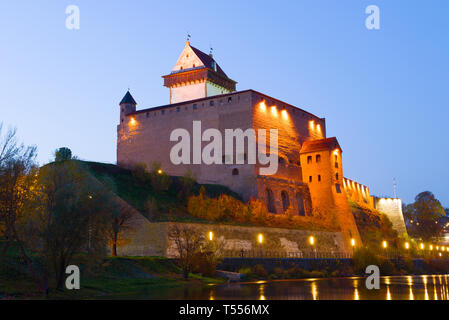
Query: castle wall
[[146, 139], [358, 193], [393, 209], [152, 239]]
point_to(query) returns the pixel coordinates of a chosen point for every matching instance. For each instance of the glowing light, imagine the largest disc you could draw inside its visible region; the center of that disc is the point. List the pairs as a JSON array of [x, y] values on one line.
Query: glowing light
[[211, 235], [284, 114], [431, 247], [353, 242], [312, 124], [132, 121], [260, 238], [421, 246], [407, 245], [274, 111], [318, 128], [384, 244], [311, 240], [356, 294], [263, 106], [159, 171], [439, 254]]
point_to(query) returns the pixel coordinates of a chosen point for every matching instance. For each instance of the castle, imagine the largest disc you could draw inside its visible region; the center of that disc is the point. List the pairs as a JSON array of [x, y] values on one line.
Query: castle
[[309, 177]]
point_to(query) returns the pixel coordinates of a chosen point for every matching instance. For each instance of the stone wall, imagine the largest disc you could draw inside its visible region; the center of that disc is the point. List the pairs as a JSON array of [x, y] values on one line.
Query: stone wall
[[393, 209], [151, 239]]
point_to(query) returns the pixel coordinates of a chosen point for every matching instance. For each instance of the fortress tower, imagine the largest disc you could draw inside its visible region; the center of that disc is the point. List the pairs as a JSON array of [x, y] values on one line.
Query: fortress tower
[[196, 75]]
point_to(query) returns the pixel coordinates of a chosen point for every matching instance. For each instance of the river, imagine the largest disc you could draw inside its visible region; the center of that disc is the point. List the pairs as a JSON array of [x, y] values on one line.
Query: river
[[428, 287]]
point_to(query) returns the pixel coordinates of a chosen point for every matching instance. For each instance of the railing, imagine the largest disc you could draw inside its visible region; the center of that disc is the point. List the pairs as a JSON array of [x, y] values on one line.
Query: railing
[[284, 255]]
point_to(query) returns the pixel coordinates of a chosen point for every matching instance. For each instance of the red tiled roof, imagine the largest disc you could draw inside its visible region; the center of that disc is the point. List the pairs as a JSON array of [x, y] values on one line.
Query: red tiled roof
[[320, 145]]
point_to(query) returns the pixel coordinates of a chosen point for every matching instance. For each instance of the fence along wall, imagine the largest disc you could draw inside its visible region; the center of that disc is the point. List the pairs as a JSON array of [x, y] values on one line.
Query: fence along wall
[[151, 239]]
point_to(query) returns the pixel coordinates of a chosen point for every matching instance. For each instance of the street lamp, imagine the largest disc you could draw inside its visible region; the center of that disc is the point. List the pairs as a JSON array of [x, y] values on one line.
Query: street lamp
[[384, 244]]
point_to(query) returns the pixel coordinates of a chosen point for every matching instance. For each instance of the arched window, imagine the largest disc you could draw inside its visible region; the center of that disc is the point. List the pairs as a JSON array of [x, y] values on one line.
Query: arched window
[[285, 200], [270, 201], [300, 204], [235, 172]]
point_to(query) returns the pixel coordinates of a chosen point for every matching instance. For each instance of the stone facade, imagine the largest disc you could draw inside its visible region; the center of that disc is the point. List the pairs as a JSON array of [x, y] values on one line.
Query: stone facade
[[393, 209], [151, 239]]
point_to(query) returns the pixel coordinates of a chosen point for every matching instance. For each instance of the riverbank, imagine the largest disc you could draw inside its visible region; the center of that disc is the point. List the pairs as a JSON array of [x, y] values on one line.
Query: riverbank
[[113, 278]]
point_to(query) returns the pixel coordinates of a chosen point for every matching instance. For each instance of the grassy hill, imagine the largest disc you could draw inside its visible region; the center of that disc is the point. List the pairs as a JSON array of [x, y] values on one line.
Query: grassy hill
[[171, 206]]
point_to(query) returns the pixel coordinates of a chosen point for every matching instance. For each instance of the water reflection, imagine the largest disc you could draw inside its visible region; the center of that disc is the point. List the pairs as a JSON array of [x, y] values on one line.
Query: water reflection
[[392, 288]]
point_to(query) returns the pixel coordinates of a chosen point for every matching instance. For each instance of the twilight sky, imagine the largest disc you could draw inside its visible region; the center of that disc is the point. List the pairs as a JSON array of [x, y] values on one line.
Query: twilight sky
[[384, 93]]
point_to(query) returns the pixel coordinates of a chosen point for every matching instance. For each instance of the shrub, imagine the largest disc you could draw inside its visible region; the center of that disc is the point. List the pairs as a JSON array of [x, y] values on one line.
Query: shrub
[[362, 258], [260, 271]]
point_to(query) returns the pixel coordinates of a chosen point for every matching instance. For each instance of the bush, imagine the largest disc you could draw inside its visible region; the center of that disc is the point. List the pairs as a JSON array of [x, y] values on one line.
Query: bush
[[362, 258], [260, 271]]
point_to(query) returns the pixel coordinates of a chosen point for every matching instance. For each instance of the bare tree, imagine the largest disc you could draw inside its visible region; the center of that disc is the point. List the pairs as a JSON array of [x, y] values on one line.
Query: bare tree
[[188, 243], [119, 224]]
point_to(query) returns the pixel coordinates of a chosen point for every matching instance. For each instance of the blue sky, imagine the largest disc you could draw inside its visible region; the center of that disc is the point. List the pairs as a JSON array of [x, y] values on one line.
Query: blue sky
[[384, 93]]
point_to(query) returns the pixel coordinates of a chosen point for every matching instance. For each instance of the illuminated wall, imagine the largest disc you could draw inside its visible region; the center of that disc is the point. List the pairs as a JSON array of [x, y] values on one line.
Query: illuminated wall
[[393, 209], [358, 193]]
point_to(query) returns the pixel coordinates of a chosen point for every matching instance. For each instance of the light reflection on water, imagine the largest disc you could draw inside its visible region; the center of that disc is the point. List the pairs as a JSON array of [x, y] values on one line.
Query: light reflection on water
[[426, 287]]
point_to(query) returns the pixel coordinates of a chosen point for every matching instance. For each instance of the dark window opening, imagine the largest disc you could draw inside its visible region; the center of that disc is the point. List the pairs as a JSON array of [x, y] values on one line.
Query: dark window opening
[[300, 204], [337, 188], [194, 106], [178, 109], [230, 99], [285, 200], [235, 172], [270, 201], [336, 165], [309, 159], [318, 158], [211, 103], [281, 160], [148, 114], [319, 177], [310, 178], [163, 112], [336, 176]]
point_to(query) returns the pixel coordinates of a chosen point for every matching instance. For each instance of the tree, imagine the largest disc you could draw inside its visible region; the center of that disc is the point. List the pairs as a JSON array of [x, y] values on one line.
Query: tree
[[17, 172], [63, 154], [188, 242], [71, 214], [120, 223], [422, 216]]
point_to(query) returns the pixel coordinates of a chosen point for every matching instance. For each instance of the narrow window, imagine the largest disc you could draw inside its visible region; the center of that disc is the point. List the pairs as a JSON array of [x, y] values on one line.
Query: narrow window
[[318, 158], [300, 204], [310, 178], [337, 188], [309, 159], [336, 176], [211, 103], [178, 109], [319, 177], [270, 201], [235, 172], [229, 99], [194, 106], [285, 200], [163, 112], [148, 114]]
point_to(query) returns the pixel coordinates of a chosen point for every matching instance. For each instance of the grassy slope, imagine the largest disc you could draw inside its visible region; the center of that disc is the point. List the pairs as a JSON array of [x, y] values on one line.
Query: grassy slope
[[112, 278], [171, 208]]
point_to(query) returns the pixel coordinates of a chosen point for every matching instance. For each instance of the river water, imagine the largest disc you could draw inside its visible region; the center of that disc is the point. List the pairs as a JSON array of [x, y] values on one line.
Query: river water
[[429, 287]]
